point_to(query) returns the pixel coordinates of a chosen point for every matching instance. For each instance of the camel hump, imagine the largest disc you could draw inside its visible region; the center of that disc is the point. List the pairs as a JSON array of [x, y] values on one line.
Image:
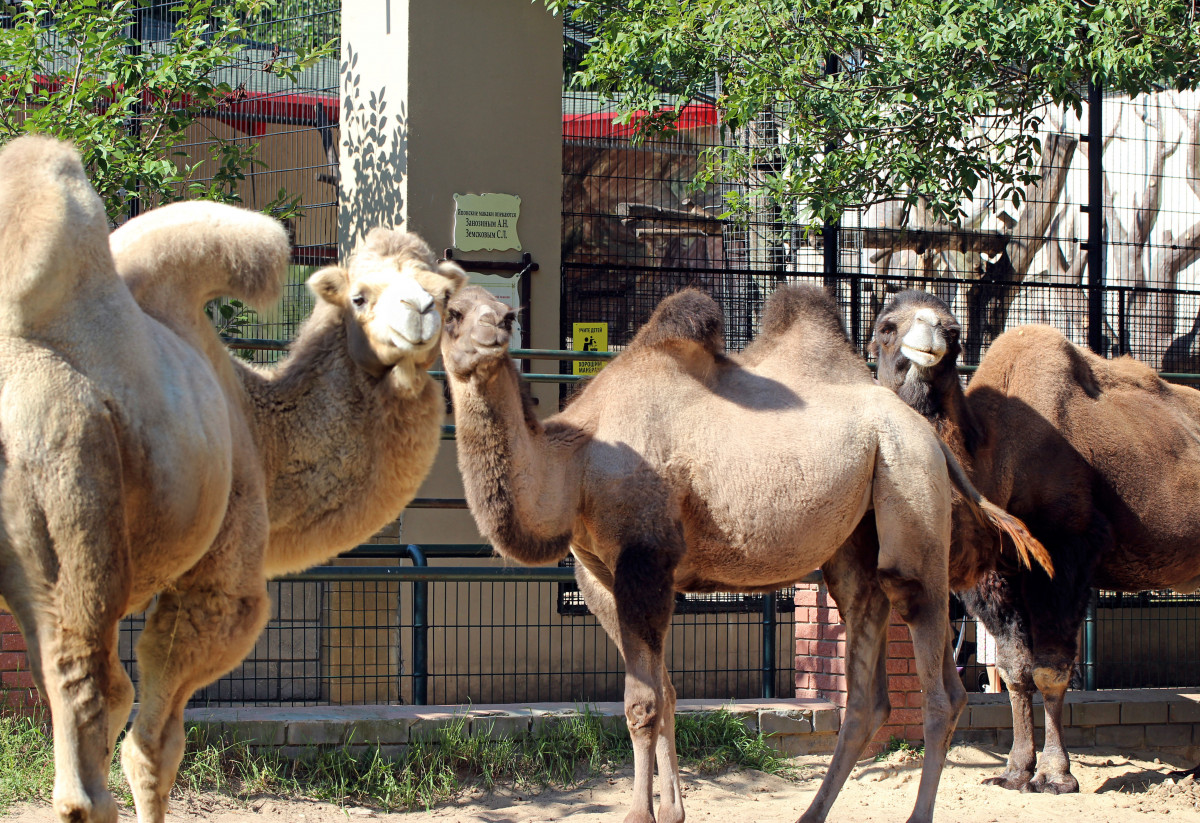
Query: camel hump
[[180, 256], [53, 228], [686, 315], [789, 305]]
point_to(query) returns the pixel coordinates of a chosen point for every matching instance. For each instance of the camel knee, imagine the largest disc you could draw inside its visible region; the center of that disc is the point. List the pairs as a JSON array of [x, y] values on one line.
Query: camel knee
[[1051, 680], [908, 595], [643, 715]]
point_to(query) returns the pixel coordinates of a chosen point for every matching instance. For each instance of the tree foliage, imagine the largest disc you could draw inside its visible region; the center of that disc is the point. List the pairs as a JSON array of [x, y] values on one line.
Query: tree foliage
[[79, 71], [940, 100]]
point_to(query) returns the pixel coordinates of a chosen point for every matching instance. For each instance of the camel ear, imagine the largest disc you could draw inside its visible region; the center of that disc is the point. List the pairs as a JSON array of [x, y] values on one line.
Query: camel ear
[[331, 284], [455, 274]]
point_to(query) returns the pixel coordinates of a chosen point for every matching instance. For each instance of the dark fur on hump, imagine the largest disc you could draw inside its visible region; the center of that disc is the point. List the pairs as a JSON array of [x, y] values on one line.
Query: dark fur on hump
[[686, 315]]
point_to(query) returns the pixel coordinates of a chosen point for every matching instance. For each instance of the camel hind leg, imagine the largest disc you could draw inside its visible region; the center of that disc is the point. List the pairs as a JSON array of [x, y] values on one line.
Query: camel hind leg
[[912, 497], [850, 576], [71, 621]]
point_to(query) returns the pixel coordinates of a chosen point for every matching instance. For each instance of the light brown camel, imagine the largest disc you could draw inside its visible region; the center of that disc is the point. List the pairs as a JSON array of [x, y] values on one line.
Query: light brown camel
[[132, 448], [348, 425], [1100, 457], [680, 469], [128, 470]]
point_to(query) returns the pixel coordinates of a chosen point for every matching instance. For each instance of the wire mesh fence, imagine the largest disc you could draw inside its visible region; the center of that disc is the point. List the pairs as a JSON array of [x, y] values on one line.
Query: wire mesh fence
[[495, 641]]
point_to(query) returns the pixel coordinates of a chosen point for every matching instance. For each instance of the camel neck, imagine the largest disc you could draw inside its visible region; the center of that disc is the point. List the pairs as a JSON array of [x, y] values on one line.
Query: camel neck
[[517, 482]]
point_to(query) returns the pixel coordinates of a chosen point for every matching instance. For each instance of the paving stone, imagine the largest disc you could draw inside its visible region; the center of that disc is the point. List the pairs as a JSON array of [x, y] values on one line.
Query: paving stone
[[499, 727], [1079, 737], [1121, 736], [255, 732], [1137, 712], [316, 732], [789, 723], [1175, 734], [1106, 713], [827, 720], [1184, 710], [381, 731], [797, 744], [990, 716]]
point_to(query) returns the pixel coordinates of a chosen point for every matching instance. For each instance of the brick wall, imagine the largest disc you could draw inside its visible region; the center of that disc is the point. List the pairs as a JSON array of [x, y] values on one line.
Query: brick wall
[[821, 666], [17, 692]]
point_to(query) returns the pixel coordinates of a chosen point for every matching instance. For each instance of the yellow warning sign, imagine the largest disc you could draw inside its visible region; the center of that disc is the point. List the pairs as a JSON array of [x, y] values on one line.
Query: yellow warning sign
[[589, 337]]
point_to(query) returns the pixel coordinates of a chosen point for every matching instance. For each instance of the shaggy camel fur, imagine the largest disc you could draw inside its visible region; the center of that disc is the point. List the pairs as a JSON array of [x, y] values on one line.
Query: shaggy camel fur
[[680, 469], [128, 470], [348, 425], [1100, 457], [140, 459]]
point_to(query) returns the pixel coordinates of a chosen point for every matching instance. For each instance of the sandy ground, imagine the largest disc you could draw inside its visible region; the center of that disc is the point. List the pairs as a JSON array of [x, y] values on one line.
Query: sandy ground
[[1115, 787]]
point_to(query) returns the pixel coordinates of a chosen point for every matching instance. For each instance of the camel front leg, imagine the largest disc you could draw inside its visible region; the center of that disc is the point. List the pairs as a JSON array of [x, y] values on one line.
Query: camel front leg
[[637, 626], [199, 630], [864, 609]]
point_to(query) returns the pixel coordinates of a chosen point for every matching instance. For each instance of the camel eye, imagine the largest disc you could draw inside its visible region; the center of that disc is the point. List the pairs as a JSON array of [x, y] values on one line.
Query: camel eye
[[507, 322], [887, 329], [359, 300], [454, 314]]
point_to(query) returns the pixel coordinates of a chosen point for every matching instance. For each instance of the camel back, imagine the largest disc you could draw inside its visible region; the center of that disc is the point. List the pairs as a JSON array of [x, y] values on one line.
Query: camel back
[[177, 258], [47, 205]]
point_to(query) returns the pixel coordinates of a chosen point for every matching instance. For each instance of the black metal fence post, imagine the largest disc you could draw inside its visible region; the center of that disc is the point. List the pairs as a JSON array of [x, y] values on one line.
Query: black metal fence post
[[1095, 212], [768, 646], [420, 622]]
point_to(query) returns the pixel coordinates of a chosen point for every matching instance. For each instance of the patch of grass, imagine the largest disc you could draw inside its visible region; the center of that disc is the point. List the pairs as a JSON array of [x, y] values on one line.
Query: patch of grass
[[26, 760], [907, 750], [428, 772]]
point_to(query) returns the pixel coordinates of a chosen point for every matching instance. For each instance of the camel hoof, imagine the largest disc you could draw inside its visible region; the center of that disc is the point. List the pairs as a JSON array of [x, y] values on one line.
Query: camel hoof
[[1013, 781], [639, 817], [670, 814], [104, 810], [1057, 784]]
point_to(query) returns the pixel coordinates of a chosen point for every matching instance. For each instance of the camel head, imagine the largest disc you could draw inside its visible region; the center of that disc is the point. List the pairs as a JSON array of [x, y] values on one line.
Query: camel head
[[916, 340], [392, 295], [478, 331]]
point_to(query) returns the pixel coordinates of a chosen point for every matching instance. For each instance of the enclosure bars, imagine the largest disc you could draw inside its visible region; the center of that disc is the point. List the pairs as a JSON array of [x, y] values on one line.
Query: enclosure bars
[[1095, 212]]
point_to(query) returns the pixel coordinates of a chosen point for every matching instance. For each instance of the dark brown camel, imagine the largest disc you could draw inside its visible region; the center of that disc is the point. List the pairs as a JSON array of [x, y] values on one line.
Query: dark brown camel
[[678, 468], [1101, 458]]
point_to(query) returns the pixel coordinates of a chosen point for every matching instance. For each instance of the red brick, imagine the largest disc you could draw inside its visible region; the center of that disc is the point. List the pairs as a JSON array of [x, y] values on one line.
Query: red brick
[[8, 623], [13, 662], [898, 633], [12, 643], [805, 598], [904, 683], [824, 615], [19, 680], [903, 716], [804, 647], [828, 648], [809, 631], [916, 699], [914, 733], [897, 665], [903, 651]]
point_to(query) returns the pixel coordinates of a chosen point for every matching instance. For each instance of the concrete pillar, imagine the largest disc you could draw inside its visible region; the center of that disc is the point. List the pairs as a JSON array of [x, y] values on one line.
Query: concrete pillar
[[446, 97]]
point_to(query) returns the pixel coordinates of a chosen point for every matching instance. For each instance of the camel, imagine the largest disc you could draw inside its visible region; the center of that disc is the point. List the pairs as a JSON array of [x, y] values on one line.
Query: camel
[[678, 468], [139, 458], [1099, 457], [348, 425]]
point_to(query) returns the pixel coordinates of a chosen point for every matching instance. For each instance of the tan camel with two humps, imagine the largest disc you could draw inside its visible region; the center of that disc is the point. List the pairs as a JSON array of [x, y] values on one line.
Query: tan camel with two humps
[[678, 468], [139, 459]]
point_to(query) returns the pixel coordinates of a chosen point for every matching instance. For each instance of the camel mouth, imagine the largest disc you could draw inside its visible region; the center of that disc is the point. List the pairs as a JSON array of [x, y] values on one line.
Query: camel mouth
[[920, 357]]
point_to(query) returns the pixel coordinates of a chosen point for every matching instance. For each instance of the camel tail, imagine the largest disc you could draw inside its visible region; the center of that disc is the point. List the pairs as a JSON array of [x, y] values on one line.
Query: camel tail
[[178, 257], [1029, 549], [53, 230]]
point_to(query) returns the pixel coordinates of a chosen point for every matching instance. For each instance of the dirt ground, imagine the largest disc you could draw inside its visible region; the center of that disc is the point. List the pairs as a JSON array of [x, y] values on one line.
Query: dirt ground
[[1116, 787]]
